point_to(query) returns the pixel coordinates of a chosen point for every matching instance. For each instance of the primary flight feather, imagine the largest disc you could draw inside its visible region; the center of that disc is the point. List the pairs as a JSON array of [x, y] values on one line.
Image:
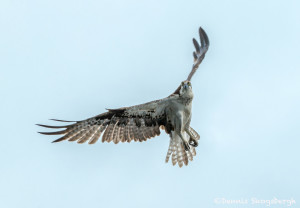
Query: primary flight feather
[[142, 122]]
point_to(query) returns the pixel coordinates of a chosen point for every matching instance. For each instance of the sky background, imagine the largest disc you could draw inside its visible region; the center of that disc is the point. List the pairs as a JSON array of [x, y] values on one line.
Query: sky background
[[72, 59]]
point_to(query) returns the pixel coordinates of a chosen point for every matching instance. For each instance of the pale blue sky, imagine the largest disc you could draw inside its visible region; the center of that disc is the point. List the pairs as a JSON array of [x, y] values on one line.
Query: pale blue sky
[[72, 59]]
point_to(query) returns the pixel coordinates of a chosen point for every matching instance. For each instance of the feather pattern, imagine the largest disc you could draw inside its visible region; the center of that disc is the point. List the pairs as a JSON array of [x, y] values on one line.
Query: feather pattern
[[96, 135], [138, 123], [125, 125], [177, 151], [88, 135], [144, 121]]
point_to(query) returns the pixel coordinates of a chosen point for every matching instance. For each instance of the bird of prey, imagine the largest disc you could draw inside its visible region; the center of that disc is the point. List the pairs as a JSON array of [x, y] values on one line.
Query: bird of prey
[[141, 122]]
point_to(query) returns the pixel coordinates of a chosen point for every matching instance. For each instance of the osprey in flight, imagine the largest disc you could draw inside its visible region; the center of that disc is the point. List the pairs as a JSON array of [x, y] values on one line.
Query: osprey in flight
[[141, 122]]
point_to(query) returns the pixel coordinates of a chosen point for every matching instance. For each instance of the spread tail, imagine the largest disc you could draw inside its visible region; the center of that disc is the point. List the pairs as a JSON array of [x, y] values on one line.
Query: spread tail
[[177, 152]]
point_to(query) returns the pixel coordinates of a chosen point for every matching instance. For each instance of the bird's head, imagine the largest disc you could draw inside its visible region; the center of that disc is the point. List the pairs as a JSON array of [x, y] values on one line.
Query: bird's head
[[186, 88]]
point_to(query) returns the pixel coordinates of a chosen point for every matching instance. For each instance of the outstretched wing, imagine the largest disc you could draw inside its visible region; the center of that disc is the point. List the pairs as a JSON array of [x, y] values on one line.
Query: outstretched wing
[[200, 52], [137, 123]]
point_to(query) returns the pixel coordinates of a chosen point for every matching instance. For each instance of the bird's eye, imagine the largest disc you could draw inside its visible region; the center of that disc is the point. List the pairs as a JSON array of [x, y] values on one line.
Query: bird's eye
[[182, 83], [189, 84]]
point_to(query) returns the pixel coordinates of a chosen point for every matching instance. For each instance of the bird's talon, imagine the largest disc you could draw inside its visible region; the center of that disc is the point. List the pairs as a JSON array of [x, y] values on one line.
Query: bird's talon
[[193, 142]]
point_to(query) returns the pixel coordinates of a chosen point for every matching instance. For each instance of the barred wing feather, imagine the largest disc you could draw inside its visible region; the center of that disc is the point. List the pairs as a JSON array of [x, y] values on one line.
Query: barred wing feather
[[137, 123]]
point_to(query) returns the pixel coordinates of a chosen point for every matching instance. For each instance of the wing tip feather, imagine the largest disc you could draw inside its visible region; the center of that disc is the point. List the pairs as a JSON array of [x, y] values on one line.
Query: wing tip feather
[[53, 119], [57, 140]]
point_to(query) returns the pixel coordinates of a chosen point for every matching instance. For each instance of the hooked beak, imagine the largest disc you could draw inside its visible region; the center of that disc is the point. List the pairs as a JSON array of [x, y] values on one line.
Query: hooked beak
[[185, 86]]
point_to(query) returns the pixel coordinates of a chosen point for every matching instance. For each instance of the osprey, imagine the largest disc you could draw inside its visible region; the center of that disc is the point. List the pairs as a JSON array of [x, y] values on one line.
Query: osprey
[[142, 122]]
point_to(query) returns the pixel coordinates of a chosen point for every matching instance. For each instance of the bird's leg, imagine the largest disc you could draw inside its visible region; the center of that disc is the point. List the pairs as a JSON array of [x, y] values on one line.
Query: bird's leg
[[185, 143], [179, 129], [192, 141]]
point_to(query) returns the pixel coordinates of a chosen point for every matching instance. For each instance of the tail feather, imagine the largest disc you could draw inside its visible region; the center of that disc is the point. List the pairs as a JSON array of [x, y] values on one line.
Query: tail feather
[[193, 151], [174, 155], [185, 157], [177, 151], [170, 150], [181, 155], [189, 155]]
